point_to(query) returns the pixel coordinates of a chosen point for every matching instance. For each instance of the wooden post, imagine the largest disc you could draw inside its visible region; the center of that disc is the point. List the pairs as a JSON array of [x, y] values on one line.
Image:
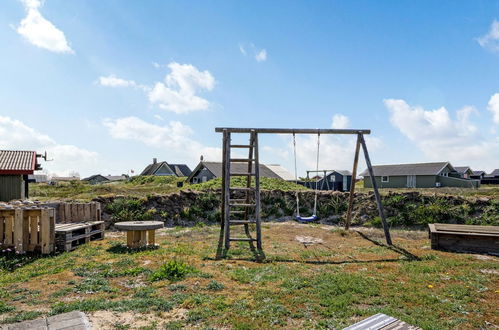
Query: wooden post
[[151, 237], [18, 231], [226, 188], [376, 192], [352, 184], [45, 231], [129, 238], [257, 193], [2, 226], [33, 223], [9, 228]]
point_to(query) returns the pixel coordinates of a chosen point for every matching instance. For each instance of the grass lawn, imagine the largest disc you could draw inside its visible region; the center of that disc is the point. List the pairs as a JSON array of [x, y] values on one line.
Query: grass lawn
[[334, 283]]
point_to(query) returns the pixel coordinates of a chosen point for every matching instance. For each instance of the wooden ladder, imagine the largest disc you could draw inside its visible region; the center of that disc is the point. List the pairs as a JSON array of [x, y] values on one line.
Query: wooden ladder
[[238, 211]]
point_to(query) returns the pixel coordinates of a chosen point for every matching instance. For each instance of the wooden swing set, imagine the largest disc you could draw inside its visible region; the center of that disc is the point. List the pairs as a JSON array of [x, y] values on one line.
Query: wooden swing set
[[243, 208]]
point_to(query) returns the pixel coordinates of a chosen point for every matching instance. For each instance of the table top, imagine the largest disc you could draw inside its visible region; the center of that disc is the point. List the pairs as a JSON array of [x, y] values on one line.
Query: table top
[[139, 225]]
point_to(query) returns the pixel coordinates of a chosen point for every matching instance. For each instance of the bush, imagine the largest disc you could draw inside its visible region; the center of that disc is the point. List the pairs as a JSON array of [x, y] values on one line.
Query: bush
[[128, 209], [173, 270]]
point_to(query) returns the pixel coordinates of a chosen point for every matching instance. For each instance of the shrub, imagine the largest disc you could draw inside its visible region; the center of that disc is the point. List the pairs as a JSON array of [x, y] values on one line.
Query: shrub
[[128, 209], [173, 270]]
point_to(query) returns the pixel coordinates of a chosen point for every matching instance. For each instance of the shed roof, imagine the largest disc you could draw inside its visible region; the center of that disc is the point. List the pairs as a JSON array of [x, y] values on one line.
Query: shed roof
[[17, 162], [478, 172], [408, 169], [343, 172], [494, 172]]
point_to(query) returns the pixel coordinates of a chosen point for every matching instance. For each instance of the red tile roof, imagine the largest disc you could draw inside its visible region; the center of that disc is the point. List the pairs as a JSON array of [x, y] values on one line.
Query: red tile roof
[[17, 162]]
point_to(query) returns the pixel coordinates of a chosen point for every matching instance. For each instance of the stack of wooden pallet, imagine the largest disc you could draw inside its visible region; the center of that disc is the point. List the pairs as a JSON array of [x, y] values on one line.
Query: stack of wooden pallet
[[70, 235], [27, 227], [69, 212]]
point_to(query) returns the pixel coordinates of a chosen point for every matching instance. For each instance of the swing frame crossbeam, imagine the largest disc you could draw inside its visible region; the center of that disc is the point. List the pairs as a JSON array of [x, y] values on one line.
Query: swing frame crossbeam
[[225, 238]]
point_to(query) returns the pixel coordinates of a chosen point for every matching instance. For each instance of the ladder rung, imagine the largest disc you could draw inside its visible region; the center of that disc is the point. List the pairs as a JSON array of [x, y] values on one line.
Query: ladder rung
[[243, 189], [242, 205], [237, 211], [241, 160], [237, 200], [241, 174], [242, 239], [241, 146], [241, 222]]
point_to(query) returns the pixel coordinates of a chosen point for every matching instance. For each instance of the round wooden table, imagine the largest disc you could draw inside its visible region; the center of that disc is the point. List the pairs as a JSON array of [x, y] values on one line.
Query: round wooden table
[[139, 233]]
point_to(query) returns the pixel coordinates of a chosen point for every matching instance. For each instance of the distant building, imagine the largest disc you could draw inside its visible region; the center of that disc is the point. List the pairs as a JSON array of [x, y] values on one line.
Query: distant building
[[206, 171], [421, 175], [464, 172], [336, 180], [98, 178], [477, 175], [38, 178], [492, 178], [15, 166], [57, 179], [163, 168]]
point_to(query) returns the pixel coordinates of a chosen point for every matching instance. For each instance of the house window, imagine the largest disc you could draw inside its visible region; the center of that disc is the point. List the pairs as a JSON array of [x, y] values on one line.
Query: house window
[[384, 179], [194, 180], [204, 179], [445, 174]]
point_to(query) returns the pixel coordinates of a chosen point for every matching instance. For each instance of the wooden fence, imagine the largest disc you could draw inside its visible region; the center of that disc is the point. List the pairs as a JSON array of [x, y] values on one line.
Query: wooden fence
[[27, 228]]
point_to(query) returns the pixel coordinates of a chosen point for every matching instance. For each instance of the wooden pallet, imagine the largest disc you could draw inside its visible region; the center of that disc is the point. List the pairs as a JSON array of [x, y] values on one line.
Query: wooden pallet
[[68, 236], [27, 229], [464, 238], [381, 322]]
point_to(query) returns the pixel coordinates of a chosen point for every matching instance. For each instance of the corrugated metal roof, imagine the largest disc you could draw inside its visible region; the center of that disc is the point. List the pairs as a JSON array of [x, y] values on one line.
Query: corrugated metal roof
[[17, 162], [408, 169]]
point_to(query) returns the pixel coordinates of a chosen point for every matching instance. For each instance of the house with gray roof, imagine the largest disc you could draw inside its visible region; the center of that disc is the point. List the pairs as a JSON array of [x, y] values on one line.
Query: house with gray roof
[[98, 178], [206, 171], [492, 178], [464, 171], [336, 180], [163, 168], [420, 175]]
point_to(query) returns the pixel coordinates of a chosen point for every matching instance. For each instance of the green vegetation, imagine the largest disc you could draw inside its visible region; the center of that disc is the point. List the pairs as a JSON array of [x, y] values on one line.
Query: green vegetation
[[173, 270], [128, 209], [328, 285], [265, 184]]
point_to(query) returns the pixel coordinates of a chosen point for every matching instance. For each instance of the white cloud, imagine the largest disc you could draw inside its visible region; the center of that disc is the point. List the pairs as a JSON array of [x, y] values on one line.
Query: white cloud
[[442, 138], [340, 121], [113, 81], [66, 158], [177, 93], [261, 56], [174, 138], [41, 32], [494, 107], [491, 39]]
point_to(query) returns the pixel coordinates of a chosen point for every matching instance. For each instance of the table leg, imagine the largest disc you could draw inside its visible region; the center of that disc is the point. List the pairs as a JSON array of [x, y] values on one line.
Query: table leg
[[143, 239], [152, 237], [129, 238]]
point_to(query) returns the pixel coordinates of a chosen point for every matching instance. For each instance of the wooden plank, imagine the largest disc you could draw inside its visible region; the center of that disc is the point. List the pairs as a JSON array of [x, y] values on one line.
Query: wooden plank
[[86, 212], [291, 130], [467, 228], [376, 192], [33, 226], [18, 231], [2, 228], [45, 231], [151, 237], [226, 188], [352, 184], [9, 229], [67, 213]]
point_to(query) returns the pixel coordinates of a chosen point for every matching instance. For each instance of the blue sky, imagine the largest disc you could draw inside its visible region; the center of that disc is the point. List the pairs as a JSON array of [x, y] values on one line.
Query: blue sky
[[104, 86]]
